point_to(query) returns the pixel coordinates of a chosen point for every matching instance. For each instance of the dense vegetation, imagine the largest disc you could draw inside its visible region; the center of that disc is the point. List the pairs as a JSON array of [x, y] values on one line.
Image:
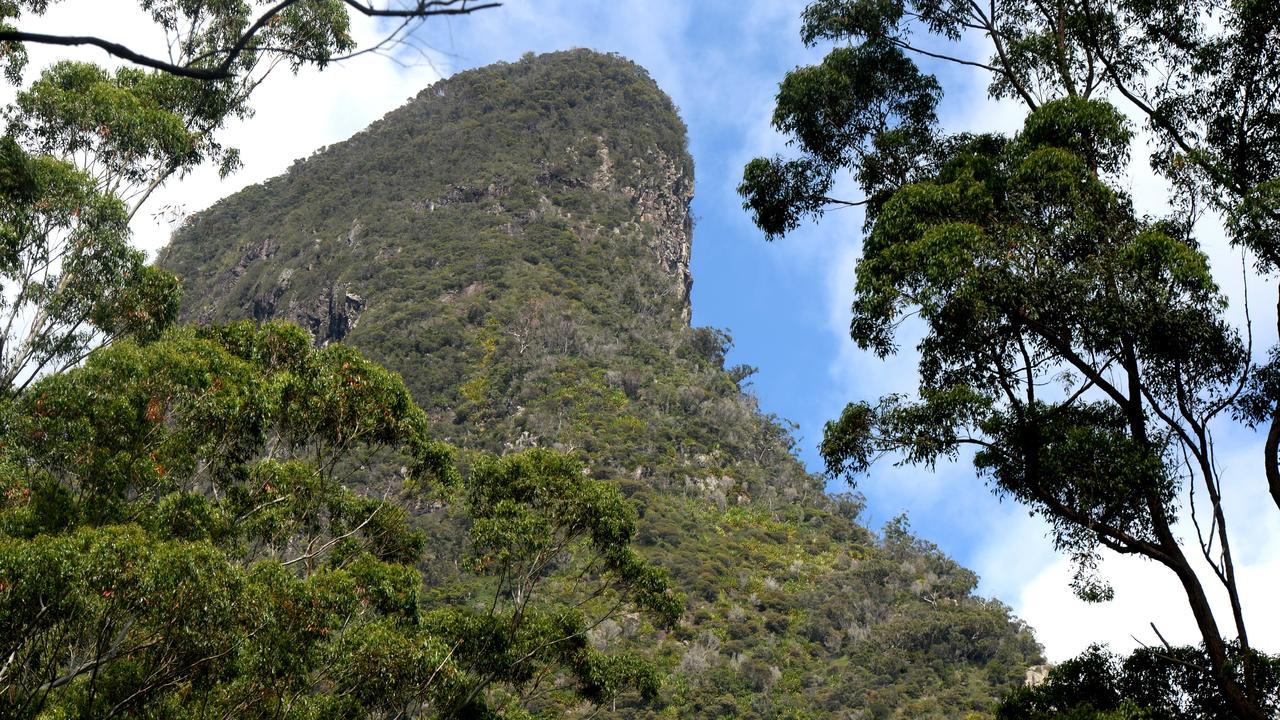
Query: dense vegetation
[[514, 243], [201, 540], [212, 522], [1152, 683]]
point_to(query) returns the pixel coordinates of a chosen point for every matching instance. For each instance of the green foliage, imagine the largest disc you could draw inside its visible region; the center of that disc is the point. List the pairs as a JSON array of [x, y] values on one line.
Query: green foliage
[[1080, 349], [509, 240], [196, 525], [67, 269], [529, 508], [84, 148], [220, 45], [129, 121], [867, 104], [1167, 683]]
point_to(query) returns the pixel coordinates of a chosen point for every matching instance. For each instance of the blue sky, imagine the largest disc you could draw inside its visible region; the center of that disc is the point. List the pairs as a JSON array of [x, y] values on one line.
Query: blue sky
[[785, 303]]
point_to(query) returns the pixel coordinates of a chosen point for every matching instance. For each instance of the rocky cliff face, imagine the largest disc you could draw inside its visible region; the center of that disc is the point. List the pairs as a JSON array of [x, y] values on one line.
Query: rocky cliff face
[[662, 201], [515, 242], [532, 181]]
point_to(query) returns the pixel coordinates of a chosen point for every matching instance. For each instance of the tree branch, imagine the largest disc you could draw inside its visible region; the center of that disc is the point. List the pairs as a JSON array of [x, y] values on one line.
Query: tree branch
[[115, 49], [223, 70], [422, 9], [334, 541], [92, 665]]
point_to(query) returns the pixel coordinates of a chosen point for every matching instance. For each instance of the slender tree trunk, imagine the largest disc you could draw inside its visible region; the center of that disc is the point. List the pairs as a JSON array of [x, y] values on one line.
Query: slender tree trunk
[[1244, 706], [1270, 459], [1272, 463]]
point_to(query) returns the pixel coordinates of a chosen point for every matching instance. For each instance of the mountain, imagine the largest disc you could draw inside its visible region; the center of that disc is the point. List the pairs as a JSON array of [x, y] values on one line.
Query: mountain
[[515, 242]]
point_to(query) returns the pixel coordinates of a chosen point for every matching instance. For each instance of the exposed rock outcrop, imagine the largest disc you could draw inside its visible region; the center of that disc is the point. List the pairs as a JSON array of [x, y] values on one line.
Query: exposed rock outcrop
[[662, 201]]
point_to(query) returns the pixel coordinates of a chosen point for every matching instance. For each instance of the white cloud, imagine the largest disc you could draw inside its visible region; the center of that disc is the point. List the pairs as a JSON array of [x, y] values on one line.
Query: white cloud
[[1145, 594], [1018, 564]]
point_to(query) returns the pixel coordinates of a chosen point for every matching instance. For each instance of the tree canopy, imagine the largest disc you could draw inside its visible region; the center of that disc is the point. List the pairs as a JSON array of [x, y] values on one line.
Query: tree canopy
[[215, 522], [1079, 348]]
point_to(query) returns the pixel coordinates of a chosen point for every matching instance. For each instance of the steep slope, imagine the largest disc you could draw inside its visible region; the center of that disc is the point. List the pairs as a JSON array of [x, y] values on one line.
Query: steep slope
[[515, 242]]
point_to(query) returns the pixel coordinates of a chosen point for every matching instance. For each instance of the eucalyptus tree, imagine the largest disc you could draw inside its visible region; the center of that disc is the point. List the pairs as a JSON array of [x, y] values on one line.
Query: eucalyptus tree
[[85, 147], [1079, 348], [214, 524]]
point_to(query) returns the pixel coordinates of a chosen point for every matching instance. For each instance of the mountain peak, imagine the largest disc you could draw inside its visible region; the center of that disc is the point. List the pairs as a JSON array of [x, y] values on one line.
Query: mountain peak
[[539, 147], [515, 243]]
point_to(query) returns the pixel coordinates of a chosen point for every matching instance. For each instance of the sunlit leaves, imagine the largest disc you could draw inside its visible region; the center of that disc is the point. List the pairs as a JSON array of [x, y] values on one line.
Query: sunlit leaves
[[69, 274], [1025, 264], [84, 148], [1094, 131], [841, 20], [125, 121], [1021, 236], [529, 508], [219, 465]]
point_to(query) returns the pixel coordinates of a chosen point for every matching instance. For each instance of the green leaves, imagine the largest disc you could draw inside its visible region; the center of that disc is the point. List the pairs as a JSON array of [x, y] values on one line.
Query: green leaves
[[835, 109], [1025, 232], [74, 602], [866, 107], [1078, 465], [84, 148], [846, 443], [842, 20], [530, 507], [189, 509], [781, 193], [1166, 682], [126, 121], [1024, 264], [68, 269], [1082, 349], [1092, 130], [569, 336]]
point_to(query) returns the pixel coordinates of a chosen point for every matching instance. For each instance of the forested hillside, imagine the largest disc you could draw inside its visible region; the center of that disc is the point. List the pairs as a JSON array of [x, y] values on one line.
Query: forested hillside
[[515, 243]]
